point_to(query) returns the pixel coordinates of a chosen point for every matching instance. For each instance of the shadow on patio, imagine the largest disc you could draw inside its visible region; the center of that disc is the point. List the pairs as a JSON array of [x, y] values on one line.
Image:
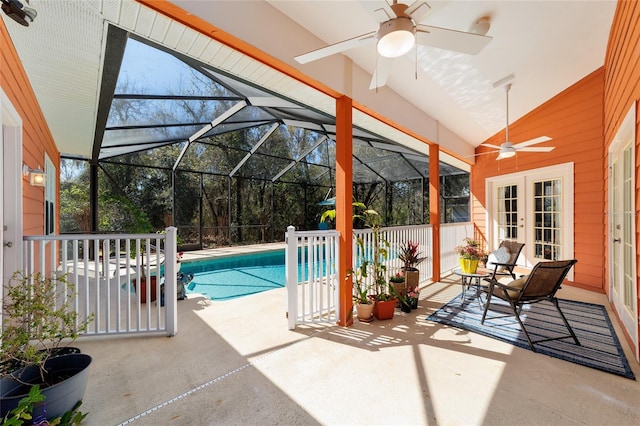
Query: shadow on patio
[[235, 362]]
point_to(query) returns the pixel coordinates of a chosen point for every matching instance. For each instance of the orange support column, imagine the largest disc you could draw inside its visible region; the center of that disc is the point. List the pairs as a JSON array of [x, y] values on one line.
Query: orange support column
[[434, 206], [344, 209]]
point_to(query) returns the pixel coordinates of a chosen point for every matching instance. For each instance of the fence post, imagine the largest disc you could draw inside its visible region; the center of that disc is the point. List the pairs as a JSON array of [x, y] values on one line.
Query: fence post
[[170, 280], [291, 261]]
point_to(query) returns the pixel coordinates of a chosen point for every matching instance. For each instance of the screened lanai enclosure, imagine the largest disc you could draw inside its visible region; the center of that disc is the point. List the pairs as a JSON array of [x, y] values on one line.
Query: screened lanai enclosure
[[180, 143]]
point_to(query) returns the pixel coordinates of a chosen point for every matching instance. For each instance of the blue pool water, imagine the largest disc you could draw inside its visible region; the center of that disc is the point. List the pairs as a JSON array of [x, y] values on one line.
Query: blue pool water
[[235, 276], [229, 277]]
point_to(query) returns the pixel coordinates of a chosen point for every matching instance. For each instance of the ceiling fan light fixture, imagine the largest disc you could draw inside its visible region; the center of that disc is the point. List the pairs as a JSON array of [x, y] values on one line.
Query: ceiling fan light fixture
[[396, 37], [506, 153]]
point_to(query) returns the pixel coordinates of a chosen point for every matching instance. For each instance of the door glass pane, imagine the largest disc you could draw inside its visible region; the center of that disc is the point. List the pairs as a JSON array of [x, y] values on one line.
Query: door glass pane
[[628, 215], [615, 201], [547, 214], [507, 212]]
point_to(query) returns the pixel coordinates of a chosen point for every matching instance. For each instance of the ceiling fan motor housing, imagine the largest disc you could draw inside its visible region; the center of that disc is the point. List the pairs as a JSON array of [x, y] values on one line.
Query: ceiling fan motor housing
[[396, 37]]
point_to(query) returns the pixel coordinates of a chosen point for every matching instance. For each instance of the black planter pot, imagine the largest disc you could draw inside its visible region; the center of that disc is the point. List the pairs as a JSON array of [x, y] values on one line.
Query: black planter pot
[[70, 374], [405, 307]]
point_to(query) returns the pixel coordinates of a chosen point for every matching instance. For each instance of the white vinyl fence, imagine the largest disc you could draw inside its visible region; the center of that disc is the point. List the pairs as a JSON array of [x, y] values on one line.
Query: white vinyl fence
[[104, 270], [313, 285], [396, 236], [451, 236]]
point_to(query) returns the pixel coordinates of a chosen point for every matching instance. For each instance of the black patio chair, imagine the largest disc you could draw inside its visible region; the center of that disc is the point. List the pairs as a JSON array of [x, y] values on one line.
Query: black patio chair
[[541, 284], [506, 268]]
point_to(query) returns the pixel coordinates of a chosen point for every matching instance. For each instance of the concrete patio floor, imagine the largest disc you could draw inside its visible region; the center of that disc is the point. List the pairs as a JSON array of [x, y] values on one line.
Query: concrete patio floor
[[236, 363]]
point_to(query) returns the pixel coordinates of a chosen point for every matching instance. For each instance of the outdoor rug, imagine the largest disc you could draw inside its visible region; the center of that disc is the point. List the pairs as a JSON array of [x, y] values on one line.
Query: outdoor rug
[[600, 346]]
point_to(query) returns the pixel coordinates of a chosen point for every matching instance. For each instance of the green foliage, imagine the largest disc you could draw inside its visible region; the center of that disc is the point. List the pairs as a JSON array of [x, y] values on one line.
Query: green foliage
[[37, 317], [23, 413], [123, 215], [75, 210], [72, 417], [380, 252], [409, 255]]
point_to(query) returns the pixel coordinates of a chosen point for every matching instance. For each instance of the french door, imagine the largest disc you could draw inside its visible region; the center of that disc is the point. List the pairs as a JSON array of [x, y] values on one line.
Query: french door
[[535, 208], [622, 252], [11, 187]]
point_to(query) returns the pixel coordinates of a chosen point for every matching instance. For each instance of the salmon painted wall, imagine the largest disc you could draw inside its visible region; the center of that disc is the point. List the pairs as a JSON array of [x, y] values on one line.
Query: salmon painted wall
[[622, 89], [36, 137], [573, 118]]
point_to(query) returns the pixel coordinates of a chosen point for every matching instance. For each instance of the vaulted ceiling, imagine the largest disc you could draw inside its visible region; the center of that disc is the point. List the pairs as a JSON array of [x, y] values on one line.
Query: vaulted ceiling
[[442, 96]]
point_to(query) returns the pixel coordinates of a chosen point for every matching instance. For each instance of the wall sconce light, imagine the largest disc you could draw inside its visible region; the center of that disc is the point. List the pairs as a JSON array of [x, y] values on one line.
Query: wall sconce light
[[36, 176]]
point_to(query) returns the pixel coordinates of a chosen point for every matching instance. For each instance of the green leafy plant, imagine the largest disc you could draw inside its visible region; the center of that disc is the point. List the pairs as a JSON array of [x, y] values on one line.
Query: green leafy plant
[[378, 254], [409, 255], [471, 249], [397, 278], [371, 266], [37, 321], [23, 414], [360, 286]]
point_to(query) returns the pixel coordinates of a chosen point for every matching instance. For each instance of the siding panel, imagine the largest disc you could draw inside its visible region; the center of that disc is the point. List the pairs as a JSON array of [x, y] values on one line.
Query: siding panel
[[36, 137], [573, 119]]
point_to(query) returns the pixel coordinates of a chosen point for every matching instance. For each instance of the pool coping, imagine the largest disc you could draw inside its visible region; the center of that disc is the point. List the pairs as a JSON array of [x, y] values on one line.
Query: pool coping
[[219, 252]]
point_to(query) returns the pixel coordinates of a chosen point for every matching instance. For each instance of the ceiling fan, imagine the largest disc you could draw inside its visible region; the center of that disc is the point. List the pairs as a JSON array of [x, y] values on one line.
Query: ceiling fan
[[399, 31], [508, 149]]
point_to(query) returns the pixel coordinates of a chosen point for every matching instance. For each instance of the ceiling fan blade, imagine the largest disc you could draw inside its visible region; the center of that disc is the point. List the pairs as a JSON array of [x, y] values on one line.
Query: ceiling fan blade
[[384, 13], [341, 46], [458, 41], [490, 145], [418, 11], [383, 69], [535, 149], [532, 141]]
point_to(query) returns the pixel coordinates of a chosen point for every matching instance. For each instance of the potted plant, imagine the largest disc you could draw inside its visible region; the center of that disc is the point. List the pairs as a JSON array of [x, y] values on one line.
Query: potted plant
[[469, 255], [397, 282], [372, 260], [413, 294], [383, 293], [361, 298], [141, 284], [410, 257], [38, 323]]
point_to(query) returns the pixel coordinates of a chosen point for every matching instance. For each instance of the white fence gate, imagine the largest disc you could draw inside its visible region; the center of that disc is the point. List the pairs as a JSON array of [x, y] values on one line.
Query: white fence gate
[[106, 270], [313, 285]]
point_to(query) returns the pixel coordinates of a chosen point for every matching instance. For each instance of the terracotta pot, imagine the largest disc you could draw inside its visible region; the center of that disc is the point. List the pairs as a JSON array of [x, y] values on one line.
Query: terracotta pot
[[142, 293], [384, 310], [364, 312], [468, 266]]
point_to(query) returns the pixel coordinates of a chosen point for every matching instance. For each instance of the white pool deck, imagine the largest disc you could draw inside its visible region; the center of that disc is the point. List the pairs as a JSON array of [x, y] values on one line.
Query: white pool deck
[[236, 363]]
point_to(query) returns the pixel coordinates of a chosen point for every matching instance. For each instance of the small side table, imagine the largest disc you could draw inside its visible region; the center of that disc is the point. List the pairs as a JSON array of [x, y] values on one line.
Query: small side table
[[470, 279]]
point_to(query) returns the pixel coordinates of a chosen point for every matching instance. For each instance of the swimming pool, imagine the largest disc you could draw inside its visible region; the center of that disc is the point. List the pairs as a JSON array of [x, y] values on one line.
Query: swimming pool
[[228, 277]]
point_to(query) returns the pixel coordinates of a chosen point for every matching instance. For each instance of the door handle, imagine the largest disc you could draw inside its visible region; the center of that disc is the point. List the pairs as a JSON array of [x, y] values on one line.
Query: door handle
[[8, 244], [616, 240]]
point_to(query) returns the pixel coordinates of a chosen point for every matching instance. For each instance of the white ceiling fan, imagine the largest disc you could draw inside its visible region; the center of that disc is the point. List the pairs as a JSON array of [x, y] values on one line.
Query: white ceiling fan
[[508, 149], [399, 31]]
